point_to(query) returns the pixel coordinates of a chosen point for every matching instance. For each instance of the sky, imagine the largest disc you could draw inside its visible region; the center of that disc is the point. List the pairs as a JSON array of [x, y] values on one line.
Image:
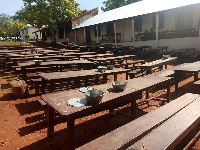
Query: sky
[[9, 7]]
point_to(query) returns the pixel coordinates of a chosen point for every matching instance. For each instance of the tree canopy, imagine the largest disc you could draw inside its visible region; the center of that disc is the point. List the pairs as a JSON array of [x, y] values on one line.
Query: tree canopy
[[9, 27], [112, 4], [48, 12]]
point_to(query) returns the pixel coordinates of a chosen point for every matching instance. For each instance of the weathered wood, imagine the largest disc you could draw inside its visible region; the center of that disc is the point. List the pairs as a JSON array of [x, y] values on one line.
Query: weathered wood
[[171, 132], [111, 100], [126, 135]]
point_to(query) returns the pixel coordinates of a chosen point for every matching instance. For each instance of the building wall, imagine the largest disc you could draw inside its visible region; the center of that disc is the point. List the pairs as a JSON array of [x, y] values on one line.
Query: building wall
[[125, 28], [29, 30]]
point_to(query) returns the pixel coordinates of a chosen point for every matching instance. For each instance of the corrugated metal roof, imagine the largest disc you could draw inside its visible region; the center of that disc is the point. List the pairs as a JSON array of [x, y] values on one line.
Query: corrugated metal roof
[[136, 9]]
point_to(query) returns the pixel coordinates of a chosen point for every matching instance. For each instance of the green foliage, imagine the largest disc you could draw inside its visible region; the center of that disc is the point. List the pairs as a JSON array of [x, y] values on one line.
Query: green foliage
[[112, 4], [48, 12], [27, 36], [9, 27]]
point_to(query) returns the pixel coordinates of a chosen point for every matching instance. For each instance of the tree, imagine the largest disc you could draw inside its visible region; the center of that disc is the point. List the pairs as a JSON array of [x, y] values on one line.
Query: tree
[[5, 21], [9, 27], [112, 4], [40, 13]]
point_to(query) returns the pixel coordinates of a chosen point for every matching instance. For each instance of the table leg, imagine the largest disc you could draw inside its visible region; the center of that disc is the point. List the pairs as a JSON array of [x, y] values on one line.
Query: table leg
[[50, 121], [147, 94], [176, 81], [115, 76], [165, 66], [70, 133], [168, 91], [23, 73], [133, 107], [196, 76], [51, 86], [104, 78], [43, 86], [96, 79]]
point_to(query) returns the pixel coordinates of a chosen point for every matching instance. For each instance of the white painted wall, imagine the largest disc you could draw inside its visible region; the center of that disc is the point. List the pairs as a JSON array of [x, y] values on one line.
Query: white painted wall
[[29, 30]]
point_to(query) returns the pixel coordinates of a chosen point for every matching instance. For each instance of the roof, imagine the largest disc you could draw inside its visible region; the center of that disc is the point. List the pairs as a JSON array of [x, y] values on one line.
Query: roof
[[136, 9]]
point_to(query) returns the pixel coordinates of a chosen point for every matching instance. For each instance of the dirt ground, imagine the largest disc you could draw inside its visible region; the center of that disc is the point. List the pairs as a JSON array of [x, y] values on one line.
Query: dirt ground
[[23, 126]]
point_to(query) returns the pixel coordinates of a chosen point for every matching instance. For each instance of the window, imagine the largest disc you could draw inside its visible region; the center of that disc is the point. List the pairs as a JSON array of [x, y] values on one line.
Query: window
[[138, 24], [110, 28], [99, 31], [61, 32], [184, 18], [161, 20]]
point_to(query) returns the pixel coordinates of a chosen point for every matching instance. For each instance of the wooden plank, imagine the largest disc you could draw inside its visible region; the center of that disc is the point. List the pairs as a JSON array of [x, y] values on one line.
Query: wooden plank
[[173, 130], [133, 131]]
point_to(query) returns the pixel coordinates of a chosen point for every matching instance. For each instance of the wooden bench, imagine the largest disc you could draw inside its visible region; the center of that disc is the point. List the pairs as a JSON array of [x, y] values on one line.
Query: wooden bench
[[173, 131], [134, 73], [125, 136], [126, 65]]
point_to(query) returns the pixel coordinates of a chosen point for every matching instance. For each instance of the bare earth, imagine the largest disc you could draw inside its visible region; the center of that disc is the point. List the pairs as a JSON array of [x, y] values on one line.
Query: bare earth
[[22, 123]]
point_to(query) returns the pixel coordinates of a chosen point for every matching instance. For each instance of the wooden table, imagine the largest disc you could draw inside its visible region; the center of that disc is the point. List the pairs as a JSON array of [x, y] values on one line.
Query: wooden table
[[58, 64], [58, 101], [162, 128], [77, 76], [184, 51], [111, 59], [161, 49], [160, 62], [81, 54], [44, 58], [192, 68], [96, 56]]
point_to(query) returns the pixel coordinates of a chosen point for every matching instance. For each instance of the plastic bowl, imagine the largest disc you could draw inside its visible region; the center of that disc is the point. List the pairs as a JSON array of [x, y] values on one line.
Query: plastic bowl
[[38, 62], [119, 85], [94, 96]]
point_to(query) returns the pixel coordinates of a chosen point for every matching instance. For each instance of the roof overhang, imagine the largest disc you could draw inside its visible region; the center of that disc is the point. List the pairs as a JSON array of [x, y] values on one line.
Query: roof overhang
[[136, 9]]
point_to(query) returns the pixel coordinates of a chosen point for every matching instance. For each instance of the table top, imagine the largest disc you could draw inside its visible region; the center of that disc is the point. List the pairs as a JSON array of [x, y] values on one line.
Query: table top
[[97, 55], [157, 62], [56, 63], [79, 54], [114, 58], [45, 57], [81, 73], [58, 100], [195, 66]]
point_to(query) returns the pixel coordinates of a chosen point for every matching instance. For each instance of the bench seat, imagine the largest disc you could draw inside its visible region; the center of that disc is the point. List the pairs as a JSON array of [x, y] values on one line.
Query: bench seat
[[173, 130], [126, 135]]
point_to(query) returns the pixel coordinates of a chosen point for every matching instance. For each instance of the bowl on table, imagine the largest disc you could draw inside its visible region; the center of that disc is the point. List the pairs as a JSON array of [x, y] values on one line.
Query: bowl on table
[[38, 62], [110, 67], [166, 56], [94, 96], [102, 68], [119, 85]]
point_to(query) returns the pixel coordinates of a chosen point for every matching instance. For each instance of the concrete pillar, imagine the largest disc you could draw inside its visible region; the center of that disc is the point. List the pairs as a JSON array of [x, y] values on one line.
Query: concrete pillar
[[133, 30], [157, 30]]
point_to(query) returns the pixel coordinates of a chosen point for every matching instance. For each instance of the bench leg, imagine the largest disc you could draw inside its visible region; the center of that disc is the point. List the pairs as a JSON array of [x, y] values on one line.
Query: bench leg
[[147, 94], [50, 121], [168, 91], [70, 133], [133, 107]]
